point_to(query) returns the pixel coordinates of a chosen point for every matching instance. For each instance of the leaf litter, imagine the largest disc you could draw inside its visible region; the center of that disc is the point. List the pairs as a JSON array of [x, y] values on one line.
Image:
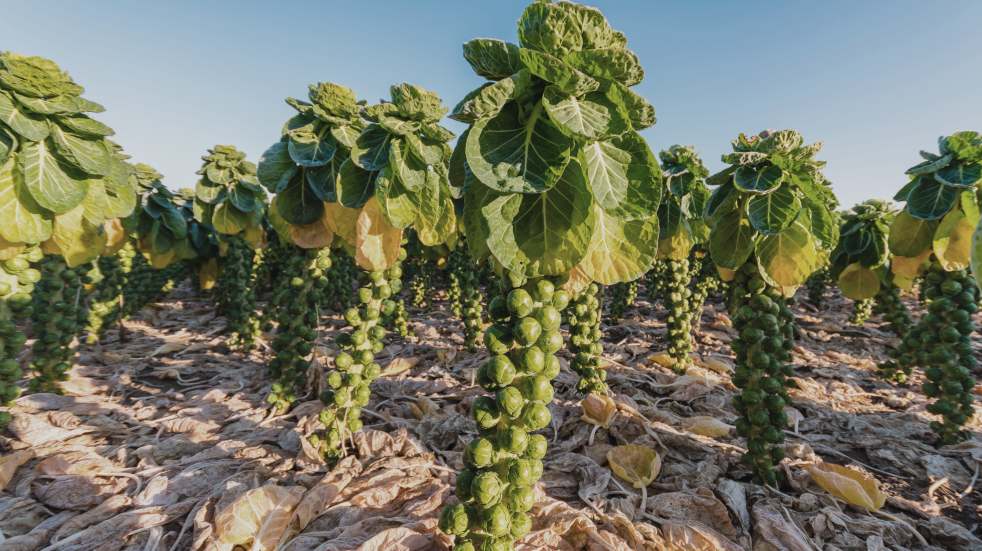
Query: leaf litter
[[163, 441]]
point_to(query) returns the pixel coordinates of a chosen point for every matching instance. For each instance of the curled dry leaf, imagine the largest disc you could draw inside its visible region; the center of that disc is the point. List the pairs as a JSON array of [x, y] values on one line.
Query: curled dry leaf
[[852, 486], [399, 365], [637, 465], [9, 464], [704, 425], [259, 516], [716, 365], [693, 536], [663, 359], [598, 409]]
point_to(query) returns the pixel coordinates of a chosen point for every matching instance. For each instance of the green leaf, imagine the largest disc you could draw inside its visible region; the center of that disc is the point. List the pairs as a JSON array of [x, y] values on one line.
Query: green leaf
[[592, 117], [492, 59], [487, 101], [427, 151], [930, 199], [905, 191], [858, 282], [322, 180], [758, 180], [7, 145], [624, 176], [395, 201], [620, 250], [554, 71], [95, 204], [823, 224], [724, 176], [731, 240], [410, 171], [57, 105], [91, 156], [27, 125], [82, 125], [371, 149], [243, 198], [775, 211], [509, 154], [789, 257], [476, 196], [49, 182], [960, 174], [310, 148], [966, 144], [930, 165], [23, 221], [544, 233], [436, 219], [670, 217], [226, 219], [297, 204], [720, 200], [354, 185], [609, 64], [346, 135], [207, 192], [910, 236], [120, 195], [641, 113], [276, 167]]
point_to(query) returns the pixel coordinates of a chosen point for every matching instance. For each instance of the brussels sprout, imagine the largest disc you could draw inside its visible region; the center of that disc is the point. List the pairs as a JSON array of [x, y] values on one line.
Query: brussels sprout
[[487, 488], [520, 303], [479, 453], [511, 402]]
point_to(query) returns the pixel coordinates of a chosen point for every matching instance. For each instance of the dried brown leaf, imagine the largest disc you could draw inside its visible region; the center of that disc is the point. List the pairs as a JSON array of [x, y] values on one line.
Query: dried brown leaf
[[598, 409], [852, 486], [260, 516], [9, 464], [637, 465]]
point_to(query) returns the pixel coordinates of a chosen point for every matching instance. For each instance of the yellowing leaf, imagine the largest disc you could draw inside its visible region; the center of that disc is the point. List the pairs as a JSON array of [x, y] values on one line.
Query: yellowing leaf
[[577, 281], [952, 243], [342, 221], [705, 425], [258, 517], [399, 365], [726, 274], [317, 235], [10, 462], [717, 365], [377, 242], [77, 240], [598, 409], [909, 267], [663, 359], [852, 486], [9, 250], [637, 465], [162, 260], [858, 282], [208, 274], [115, 236], [255, 236]]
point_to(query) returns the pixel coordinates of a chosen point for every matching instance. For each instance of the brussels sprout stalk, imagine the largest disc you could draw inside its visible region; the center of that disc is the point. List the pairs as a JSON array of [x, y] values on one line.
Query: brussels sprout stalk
[[236, 295], [106, 303], [861, 311], [17, 281], [58, 317], [584, 341], [623, 296]]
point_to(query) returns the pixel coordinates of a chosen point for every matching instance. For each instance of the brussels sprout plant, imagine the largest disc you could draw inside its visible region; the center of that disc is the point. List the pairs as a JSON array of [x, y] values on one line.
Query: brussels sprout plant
[[560, 193], [682, 226], [931, 237], [229, 199], [771, 228]]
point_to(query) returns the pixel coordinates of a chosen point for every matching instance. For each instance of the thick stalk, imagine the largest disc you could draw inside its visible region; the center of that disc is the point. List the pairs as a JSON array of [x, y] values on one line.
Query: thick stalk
[[584, 341], [678, 301], [236, 294], [762, 347], [59, 315], [504, 462], [106, 302], [622, 297], [861, 311]]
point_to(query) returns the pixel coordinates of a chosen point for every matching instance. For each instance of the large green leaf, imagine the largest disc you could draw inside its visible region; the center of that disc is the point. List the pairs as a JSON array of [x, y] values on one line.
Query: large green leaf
[[355, 185], [858, 282], [720, 200], [492, 59], [395, 200], [243, 198], [407, 168], [120, 195], [552, 70], [823, 224], [624, 176], [930, 199], [762, 179], [312, 148], [89, 155], [297, 204], [775, 211], [208, 192], [487, 101], [787, 258], [620, 250], [322, 180], [544, 233], [593, 116], [509, 154], [23, 221], [276, 168], [732, 240], [50, 183], [82, 125], [930, 165], [476, 196], [27, 125], [228, 220], [620, 65], [7, 145], [436, 220], [960, 174], [371, 149], [910, 236]]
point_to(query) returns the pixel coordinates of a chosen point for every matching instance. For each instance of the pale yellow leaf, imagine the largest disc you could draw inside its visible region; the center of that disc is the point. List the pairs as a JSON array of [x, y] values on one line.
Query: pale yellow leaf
[[598, 409], [258, 517], [399, 365], [716, 365], [377, 242], [705, 425], [317, 235], [852, 486], [637, 465], [341, 220], [115, 236], [208, 274]]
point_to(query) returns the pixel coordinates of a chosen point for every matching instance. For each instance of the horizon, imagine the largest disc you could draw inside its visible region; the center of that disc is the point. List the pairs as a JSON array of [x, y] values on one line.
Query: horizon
[[871, 82]]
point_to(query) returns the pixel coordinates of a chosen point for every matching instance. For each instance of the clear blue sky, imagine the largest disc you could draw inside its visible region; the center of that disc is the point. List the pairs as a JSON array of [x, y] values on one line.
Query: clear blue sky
[[874, 80]]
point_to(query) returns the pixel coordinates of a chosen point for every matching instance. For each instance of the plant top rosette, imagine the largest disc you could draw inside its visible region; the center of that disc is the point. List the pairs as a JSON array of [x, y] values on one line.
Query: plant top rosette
[[228, 196], [158, 225], [63, 183], [860, 263]]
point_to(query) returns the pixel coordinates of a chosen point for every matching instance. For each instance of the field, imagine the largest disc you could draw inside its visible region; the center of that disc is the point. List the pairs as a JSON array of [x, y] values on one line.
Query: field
[[158, 435]]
